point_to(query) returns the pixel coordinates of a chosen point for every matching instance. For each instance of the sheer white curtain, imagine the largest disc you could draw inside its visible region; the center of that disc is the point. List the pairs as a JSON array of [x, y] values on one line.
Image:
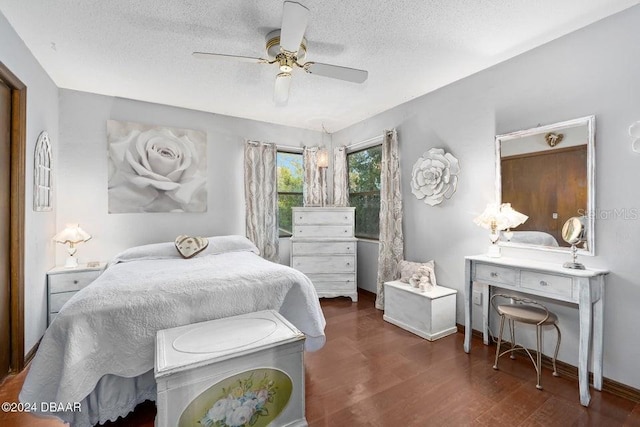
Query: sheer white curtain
[[312, 185], [391, 245], [340, 177], [261, 197]]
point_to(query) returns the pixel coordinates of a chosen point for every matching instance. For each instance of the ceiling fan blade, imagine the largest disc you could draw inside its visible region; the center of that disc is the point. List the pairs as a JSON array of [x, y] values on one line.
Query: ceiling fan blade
[[223, 57], [336, 72], [294, 23], [281, 92]]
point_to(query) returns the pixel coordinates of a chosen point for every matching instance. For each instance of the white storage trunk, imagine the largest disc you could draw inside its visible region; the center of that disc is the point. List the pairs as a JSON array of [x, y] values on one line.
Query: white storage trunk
[[237, 370], [430, 314]]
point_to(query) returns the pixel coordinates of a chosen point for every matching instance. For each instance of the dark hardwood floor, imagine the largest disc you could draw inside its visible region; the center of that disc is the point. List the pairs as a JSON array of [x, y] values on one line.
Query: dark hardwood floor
[[371, 373]]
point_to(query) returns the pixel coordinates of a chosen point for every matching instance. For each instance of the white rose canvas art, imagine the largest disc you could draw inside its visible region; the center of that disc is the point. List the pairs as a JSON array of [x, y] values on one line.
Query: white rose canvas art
[[156, 169]]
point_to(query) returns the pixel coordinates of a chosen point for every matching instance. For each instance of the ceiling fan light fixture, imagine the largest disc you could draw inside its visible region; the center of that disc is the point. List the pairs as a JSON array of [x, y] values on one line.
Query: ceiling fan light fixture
[[286, 61], [281, 91]]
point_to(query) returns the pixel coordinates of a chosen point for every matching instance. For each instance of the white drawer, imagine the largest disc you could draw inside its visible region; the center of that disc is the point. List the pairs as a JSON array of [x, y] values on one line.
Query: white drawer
[[71, 281], [328, 248], [323, 231], [339, 287], [328, 217], [492, 273], [333, 282], [56, 301], [332, 277], [557, 285], [321, 264]]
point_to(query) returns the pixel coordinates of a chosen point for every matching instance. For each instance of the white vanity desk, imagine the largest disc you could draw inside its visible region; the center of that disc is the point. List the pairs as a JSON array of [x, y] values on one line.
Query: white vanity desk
[[550, 280]]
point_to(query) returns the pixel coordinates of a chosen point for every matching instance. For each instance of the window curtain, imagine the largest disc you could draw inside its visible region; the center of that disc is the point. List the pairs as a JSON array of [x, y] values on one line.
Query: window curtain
[[261, 197], [340, 177], [391, 245], [312, 187]]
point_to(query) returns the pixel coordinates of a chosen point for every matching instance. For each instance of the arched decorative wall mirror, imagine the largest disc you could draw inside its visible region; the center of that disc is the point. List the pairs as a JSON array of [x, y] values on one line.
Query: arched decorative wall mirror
[[548, 173]]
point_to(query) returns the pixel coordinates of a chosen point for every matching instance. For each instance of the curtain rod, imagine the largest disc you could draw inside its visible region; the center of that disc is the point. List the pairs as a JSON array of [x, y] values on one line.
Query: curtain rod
[[289, 148], [365, 142]]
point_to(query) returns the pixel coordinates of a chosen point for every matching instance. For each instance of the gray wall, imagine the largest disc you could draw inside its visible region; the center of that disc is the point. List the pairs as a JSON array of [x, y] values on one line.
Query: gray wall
[[42, 114], [592, 71], [82, 172]]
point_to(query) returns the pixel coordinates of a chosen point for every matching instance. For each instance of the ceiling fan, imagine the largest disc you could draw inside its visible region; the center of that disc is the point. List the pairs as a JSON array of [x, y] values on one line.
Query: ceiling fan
[[287, 47]]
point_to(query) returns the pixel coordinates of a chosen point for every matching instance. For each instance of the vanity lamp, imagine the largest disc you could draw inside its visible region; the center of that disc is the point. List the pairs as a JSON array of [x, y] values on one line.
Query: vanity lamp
[[634, 132], [496, 218], [72, 235]]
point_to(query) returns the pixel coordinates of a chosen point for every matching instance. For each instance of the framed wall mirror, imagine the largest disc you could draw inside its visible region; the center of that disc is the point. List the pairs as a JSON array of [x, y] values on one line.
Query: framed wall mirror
[[548, 174]]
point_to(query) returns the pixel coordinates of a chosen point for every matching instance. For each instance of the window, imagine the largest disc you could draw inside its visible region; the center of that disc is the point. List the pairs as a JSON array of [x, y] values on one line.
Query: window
[[290, 179], [364, 190]]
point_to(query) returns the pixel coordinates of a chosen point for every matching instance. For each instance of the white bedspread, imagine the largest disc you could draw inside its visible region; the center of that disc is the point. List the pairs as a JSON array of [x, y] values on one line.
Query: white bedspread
[[110, 326]]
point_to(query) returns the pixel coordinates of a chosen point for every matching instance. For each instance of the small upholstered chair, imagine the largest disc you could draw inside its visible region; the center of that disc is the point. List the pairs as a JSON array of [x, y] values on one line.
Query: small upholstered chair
[[527, 311]]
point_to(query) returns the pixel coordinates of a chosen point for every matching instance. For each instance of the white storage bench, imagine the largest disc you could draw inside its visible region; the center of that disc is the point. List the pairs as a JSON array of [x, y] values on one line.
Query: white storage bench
[[239, 370], [430, 314]]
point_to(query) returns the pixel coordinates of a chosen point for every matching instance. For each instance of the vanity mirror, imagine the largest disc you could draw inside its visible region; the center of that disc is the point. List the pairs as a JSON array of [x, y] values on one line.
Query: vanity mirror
[[548, 173]]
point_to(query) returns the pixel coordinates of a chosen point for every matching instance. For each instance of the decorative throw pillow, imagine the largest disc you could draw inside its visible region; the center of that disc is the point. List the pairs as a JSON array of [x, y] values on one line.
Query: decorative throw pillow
[[191, 246], [408, 269]]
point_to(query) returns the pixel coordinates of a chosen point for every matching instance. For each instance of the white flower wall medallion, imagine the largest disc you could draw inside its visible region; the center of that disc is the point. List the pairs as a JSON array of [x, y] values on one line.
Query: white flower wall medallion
[[435, 176], [156, 169]]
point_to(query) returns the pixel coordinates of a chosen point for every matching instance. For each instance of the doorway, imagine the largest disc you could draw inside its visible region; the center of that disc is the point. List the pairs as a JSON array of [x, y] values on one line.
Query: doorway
[[13, 97]]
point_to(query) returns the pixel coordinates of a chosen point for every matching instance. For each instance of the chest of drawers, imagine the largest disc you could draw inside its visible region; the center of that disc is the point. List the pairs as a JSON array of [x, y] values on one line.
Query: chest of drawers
[[63, 283], [323, 247]]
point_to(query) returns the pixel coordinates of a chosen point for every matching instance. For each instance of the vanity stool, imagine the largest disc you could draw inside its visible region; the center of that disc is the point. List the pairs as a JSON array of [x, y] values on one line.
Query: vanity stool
[[527, 311]]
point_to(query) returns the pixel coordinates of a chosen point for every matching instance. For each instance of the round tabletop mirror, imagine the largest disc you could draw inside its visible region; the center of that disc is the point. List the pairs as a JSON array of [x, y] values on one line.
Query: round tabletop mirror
[[574, 231]]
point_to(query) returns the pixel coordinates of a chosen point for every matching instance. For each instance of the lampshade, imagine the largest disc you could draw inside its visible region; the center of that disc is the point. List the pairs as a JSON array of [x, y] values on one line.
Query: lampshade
[[72, 234], [492, 218], [500, 217], [323, 158], [512, 216], [496, 218]]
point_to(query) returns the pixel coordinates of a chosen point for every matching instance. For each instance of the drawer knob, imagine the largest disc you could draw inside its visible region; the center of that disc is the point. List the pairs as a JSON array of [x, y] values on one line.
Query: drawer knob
[[346, 217], [494, 274], [348, 248], [75, 282], [346, 231], [543, 283], [348, 263]]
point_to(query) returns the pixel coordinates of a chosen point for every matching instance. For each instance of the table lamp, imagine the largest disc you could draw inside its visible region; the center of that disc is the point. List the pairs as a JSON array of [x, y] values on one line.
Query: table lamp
[[497, 218], [71, 235]]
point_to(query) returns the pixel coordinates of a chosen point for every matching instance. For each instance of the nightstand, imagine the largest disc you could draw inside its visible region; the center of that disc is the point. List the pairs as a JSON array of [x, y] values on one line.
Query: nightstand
[[63, 283]]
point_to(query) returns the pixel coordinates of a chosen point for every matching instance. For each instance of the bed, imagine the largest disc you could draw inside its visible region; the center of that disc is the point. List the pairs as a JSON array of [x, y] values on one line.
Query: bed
[[532, 238], [99, 351]]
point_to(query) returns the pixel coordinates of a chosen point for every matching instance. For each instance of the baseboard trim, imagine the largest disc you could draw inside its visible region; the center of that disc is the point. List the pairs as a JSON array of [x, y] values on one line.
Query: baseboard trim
[[569, 371]]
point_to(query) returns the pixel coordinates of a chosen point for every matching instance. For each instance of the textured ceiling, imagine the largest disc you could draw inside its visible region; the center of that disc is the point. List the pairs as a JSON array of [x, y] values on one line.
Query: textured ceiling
[[141, 49]]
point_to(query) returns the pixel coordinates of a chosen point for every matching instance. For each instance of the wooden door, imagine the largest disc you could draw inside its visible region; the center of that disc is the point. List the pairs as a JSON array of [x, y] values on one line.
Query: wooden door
[[5, 229]]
